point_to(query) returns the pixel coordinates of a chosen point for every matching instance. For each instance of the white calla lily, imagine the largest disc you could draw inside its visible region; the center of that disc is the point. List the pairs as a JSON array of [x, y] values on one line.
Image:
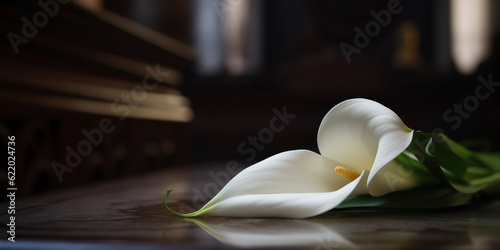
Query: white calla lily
[[358, 140]]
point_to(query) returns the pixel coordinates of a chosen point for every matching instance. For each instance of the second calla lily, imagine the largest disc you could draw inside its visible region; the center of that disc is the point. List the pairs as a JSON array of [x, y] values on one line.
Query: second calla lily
[[358, 141]]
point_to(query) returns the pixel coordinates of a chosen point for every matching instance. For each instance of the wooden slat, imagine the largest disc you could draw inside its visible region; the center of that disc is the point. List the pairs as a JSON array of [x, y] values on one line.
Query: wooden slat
[[161, 96], [144, 33], [165, 113]]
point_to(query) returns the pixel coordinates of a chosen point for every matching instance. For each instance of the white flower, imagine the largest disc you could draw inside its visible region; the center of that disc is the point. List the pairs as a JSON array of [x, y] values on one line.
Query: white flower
[[358, 141]]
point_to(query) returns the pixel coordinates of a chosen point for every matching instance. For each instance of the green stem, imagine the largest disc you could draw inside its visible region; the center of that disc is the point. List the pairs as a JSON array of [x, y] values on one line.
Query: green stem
[[189, 215], [486, 180]]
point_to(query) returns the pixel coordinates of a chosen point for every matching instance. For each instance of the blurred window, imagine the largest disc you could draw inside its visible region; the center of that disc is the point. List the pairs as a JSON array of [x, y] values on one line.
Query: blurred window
[[227, 36], [470, 33]]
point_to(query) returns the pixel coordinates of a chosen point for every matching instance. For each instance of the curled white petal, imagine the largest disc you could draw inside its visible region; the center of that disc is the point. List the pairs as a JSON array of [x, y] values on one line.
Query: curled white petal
[[363, 134]]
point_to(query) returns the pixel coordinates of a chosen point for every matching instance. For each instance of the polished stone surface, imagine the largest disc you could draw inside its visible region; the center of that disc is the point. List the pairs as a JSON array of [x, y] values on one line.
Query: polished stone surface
[[129, 214]]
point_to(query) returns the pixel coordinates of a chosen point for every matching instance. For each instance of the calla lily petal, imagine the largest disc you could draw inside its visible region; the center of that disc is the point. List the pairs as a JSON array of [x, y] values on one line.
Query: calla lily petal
[[363, 134], [394, 177], [292, 184]]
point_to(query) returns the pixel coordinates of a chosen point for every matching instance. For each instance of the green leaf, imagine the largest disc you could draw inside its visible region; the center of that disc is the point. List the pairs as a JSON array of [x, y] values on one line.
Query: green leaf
[[491, 160], [446, 165], [427, 197], [483, 171], [418, 148], [447, 158]]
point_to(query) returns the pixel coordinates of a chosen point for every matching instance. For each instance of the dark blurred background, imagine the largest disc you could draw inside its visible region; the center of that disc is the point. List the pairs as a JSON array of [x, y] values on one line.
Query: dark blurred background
[[189, 83]]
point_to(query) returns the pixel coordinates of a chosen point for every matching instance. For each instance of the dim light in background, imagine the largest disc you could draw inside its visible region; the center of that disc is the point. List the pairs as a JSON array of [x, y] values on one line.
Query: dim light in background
[[227, 36], [470, 33], [207, 38]]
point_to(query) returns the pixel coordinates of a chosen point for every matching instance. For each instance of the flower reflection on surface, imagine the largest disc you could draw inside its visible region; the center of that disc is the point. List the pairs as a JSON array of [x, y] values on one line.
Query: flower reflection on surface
[[455, 229], [250, 232]]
